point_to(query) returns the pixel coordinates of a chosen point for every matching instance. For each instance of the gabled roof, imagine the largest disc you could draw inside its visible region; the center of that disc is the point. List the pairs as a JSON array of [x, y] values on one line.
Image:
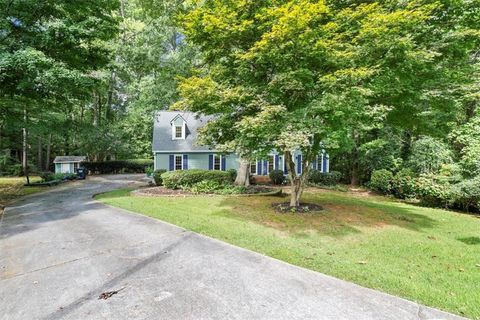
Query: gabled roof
[[61, 159], [162, 132]]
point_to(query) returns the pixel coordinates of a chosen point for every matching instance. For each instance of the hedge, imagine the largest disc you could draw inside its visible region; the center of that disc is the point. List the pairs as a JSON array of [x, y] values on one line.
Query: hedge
[[118, 166], [187, 178], [326, 179]]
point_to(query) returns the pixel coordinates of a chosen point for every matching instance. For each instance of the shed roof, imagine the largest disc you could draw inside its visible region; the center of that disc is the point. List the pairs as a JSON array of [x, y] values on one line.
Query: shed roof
[[162, 132], [65, 159]]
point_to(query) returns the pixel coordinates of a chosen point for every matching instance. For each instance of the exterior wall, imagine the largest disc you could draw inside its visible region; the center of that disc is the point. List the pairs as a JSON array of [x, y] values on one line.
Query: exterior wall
[[196, 160], [64, 168], [199, 160]]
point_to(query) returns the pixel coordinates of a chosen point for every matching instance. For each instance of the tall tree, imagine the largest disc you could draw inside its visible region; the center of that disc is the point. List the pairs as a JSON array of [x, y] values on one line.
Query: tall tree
[[306, 75]]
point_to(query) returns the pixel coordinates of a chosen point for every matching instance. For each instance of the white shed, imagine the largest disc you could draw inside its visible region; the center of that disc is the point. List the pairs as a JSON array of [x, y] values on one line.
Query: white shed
[[68, 164]]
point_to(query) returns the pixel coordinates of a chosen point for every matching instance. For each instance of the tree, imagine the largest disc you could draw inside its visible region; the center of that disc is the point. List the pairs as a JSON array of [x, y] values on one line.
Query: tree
[[306, 75]]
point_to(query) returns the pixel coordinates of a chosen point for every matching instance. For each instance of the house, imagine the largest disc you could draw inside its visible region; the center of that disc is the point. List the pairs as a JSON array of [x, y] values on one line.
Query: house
[[174, 148], [68, 164]]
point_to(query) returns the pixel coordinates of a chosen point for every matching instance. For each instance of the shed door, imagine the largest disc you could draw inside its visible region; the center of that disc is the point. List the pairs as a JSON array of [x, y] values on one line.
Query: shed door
[[65, 168]]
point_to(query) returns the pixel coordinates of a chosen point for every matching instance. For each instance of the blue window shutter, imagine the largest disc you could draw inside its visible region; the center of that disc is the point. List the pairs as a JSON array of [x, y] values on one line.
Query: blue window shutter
[[299, 164], [265, 167], [324, 165], [171, 162], [210, 162], [285, 170], [259, 168], [276, 162], [224, 163], [185, 162], [314, 164]]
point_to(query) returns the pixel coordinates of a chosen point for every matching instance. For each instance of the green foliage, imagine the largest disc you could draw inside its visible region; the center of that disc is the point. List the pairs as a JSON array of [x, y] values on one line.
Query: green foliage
[[434, 191], [381, 181], [404, 184], [277, 177], [326, 179], [466, 194], [187, 178], [205, 186], [118, 166], [428, 155], [157, 176], [233, 174]]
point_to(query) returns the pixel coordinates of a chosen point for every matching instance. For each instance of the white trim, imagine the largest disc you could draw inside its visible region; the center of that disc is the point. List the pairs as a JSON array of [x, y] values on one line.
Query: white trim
[[174, 135], [175, 161], [268, 163], [256, 167], [321, 165], [213, 164]]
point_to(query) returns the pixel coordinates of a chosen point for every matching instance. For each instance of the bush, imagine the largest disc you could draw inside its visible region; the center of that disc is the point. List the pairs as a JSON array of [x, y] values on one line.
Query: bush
[[326, 179], [157, 176], [233, 174], [206, 186], [466, 194], [404, 184], [118, 166], [187, 178], [433, 191], [47, 176], [381, 181], [429, 154], [277, 177]]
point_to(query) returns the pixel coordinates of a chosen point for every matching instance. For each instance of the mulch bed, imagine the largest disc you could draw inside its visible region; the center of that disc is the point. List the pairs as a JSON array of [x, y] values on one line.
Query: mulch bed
[[161, 191], [284, 207]]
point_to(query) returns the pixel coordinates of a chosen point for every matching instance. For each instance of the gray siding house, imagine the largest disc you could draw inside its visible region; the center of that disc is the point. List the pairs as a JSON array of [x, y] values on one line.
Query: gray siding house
[[68, 164], [175, 148]]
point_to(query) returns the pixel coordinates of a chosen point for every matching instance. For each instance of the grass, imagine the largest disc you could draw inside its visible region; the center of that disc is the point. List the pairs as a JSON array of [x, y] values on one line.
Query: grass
[[13, 187], [426, 255]]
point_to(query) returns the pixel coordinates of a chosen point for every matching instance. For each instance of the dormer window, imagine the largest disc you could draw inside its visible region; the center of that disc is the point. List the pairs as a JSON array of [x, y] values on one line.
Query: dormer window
[[178, 128], [178, 132]]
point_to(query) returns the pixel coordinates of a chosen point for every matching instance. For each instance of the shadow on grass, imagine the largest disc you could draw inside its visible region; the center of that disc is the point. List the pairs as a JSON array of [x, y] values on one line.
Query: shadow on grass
[[343, 215], [470, 240]]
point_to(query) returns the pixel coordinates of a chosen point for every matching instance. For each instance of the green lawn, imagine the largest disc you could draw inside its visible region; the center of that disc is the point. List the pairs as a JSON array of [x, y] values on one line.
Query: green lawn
[[427, 255], [13, 187]]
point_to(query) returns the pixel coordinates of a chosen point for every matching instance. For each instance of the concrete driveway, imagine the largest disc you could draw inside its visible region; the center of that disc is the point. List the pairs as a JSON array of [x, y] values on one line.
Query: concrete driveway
[[61, 250]]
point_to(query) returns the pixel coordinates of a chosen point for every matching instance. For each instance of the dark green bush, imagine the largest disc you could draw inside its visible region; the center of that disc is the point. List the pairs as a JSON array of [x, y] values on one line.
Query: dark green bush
[[187, 178], [157, 176], [381, 181], [404, 184], [47, 176], [466, 194], [326, 179], [233, 174], [277, 177], [118, 166]]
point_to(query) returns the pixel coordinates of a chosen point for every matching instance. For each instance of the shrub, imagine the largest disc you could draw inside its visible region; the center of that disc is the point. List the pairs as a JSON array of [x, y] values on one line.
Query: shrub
[[47, 176], [157, 176], [433, 191], [381, 181], [233, 174], [277, 177], [466, 194], [187, 178], [326, 179], [118, 166], [205, 186], [70, 176], [429, 154], [404, 184]]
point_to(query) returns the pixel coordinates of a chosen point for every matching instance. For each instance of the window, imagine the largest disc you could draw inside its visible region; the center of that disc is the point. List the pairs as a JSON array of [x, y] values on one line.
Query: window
[[217, 162], [178, 162], [178, 132], [253, 167], [271, 163], [75, 166]]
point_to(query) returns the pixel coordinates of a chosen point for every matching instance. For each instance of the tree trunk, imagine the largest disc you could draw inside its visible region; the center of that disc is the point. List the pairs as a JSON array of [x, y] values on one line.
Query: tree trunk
[[354, 181], [40, 154], [24, 146], [49, 147], [243, 173], [295, 181]]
